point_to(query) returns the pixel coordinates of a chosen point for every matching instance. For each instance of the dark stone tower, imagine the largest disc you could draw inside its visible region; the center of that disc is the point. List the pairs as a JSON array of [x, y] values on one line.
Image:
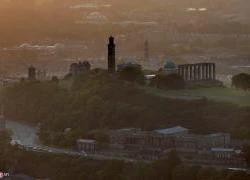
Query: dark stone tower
[[111, 55], [32, 73], [146, 51]]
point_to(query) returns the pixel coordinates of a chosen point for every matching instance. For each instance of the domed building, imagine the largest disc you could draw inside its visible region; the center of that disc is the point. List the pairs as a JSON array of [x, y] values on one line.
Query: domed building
[[169, 68]]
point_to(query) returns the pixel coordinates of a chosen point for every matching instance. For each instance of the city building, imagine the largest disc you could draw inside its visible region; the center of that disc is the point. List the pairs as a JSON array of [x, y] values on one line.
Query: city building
[[79, 68], [169, 68], [86, 145], [197, 72], [152, 144]]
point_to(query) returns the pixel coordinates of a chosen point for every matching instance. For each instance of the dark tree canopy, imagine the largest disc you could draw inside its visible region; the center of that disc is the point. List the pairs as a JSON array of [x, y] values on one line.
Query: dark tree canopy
[[171, 81], [241, 81]]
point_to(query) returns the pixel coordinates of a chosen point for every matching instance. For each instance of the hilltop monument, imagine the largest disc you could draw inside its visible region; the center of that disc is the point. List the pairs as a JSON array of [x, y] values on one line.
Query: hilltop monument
[[111, 55]]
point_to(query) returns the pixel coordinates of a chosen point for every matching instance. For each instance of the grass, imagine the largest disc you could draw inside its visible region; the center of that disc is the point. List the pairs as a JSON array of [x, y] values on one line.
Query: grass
[[220, 94]]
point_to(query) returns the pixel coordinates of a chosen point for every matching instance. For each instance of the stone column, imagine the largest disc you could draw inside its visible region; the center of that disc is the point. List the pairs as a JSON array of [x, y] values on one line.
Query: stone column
[[186, 72], [182, 71], [191, 71], [203, 71], [210, 71], [214, 72], [195, 71], [206, 65], [199, 71]]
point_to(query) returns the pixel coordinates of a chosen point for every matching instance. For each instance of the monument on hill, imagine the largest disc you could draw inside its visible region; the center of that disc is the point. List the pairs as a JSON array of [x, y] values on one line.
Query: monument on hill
[[111, 55]]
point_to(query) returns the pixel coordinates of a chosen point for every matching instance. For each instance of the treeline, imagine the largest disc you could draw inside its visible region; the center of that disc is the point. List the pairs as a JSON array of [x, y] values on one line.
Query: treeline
[[100, 101]]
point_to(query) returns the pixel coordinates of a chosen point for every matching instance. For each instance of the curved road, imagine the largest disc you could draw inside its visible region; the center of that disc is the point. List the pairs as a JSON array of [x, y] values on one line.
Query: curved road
[[25, 135]]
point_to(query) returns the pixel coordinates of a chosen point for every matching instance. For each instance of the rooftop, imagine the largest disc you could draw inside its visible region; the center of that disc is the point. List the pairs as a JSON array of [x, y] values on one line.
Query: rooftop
[[223, 149], [86, 141]]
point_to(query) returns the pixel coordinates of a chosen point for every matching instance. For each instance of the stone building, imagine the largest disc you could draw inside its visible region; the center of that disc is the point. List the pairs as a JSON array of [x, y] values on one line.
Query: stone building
[[169, 68], [79, 68], [86, 145], [154, 143], [197, 72]]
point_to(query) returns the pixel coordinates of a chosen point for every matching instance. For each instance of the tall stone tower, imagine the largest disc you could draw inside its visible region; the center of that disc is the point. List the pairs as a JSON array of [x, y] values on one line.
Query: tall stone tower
[[146, 51], [111, 55], [31, 73]]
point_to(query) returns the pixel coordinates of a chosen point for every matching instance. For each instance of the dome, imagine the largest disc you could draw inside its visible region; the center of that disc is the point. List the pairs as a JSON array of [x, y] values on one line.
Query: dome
[[169, 65]]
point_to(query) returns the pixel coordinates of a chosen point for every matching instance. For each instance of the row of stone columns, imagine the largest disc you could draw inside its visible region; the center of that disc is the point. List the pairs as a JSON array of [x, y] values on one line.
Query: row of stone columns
[[200, 71]]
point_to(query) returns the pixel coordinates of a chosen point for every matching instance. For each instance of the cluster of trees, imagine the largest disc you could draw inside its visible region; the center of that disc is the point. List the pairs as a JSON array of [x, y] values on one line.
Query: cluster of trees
[[99, 100], [171, 81], [241, 81]]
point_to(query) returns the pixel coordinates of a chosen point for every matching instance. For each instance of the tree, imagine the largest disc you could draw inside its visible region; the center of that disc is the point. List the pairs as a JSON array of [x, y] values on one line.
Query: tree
[[171, 81], [241, 81], [130, 72], [5, 139], [55, 79], [185, 172], [246, 150], [163, 168]]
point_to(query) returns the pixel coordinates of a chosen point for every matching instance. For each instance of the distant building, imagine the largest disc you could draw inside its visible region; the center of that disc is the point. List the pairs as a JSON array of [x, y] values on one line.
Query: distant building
[[169, 68], [152, 144], [111, 55], [31, 73], [197, 72], [41, 75], [224, 153], [79, 68], [86, 145], [222, 140]]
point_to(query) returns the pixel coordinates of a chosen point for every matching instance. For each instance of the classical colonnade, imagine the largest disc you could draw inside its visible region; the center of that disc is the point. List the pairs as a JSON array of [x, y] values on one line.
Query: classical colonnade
[[200, 71]]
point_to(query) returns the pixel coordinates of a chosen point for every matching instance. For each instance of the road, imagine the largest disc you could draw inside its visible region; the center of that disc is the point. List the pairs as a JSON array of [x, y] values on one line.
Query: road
[[26, 136]]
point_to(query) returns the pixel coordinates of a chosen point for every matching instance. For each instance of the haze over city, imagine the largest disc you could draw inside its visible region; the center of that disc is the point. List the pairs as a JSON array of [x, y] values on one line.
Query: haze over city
[[125, 90]]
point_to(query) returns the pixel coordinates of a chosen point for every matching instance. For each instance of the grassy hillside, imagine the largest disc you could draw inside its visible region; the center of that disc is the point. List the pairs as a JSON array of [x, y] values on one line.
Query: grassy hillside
[[218, 94], [101, 101]]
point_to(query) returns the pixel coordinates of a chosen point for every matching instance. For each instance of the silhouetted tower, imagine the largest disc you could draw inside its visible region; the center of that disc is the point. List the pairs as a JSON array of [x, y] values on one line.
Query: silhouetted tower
[[111, 55], [146, 51], [31, 73]]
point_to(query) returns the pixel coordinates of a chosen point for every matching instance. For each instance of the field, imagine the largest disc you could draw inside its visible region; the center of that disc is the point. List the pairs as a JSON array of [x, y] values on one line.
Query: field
[[230, 95]]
